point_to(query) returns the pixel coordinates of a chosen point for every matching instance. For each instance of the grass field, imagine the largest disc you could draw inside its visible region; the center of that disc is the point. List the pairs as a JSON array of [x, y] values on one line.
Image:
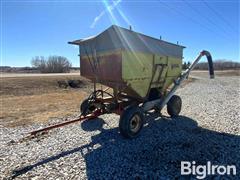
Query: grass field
[[29, 99]]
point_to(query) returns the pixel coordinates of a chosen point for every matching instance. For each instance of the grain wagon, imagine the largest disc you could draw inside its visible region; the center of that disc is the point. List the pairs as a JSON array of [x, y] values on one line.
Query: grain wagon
[[141, 74]]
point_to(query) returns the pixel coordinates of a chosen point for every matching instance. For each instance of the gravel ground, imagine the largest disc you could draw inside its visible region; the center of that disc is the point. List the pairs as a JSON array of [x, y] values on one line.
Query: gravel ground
[[207, 130]]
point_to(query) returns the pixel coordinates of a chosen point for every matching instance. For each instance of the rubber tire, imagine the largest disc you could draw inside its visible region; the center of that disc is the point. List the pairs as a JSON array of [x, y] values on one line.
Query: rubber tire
[[86, 108], [174, 106], [124, 122], [84, 105]]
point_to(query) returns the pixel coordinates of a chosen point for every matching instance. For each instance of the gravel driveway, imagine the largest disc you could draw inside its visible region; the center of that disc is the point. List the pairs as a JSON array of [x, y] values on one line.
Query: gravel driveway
[[207, 130]]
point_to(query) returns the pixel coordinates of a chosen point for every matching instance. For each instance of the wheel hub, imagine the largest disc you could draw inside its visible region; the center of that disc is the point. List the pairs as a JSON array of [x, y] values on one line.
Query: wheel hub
[[135, 123]]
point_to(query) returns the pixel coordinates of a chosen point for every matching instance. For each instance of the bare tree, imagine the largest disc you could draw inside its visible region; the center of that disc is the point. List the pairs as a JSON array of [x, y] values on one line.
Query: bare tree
[[53, 64], [39, 62]]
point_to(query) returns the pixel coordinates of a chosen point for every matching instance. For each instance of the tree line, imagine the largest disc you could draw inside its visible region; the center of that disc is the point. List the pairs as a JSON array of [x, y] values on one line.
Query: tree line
[[218, 65]]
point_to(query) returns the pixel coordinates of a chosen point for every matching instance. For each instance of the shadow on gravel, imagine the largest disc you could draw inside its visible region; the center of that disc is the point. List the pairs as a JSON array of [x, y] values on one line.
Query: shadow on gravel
[[156, 153]]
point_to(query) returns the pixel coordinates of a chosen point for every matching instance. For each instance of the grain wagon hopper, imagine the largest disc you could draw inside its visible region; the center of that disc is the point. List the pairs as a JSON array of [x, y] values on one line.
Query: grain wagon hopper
[[141, 72]]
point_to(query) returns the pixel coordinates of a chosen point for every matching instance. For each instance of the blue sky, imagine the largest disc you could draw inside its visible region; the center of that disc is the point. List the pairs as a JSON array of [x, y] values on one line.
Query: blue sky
[[35, 28]]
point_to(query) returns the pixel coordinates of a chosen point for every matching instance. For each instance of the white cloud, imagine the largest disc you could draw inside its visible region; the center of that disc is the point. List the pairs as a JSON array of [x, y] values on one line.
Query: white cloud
[[109, 8]]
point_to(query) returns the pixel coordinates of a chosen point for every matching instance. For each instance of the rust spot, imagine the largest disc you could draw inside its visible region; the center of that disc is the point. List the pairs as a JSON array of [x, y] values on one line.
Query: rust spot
[[103, 68]]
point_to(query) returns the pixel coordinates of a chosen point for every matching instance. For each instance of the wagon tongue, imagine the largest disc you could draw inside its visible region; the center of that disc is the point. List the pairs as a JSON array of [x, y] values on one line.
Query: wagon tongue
[[91, 116]]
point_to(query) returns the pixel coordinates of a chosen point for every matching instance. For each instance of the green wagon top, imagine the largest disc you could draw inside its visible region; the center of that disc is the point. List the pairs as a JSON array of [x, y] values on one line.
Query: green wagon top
[[116, 37]]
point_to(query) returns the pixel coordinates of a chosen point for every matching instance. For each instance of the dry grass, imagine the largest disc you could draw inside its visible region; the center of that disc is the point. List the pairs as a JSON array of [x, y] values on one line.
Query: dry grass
[[228, 73], [22, 86], [217, 73], [22, 110], [25, 100]]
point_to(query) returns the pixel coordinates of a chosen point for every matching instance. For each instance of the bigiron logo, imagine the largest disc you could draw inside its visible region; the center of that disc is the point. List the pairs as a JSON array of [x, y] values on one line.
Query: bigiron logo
[[202, 171]]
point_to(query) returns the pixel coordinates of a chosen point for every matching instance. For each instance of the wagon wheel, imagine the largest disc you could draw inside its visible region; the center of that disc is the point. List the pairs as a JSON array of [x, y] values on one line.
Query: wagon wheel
[[174, 106], [131, 122]]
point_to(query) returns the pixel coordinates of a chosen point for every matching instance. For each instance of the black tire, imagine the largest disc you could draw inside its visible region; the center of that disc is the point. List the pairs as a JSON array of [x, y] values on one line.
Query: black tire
[[86, 107], [174, 106], [131, 122]]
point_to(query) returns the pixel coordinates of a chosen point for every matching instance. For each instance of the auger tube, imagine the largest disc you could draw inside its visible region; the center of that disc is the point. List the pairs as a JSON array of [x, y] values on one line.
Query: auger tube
[[160, 103], [186, 73]]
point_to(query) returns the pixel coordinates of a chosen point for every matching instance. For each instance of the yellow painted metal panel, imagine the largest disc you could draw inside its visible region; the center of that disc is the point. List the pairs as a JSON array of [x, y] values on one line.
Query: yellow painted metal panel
[[137, 71], [174, 67], [139, 68]]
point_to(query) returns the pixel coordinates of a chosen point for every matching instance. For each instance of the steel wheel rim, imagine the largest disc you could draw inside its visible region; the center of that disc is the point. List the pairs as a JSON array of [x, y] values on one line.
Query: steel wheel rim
[[135, 123]]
